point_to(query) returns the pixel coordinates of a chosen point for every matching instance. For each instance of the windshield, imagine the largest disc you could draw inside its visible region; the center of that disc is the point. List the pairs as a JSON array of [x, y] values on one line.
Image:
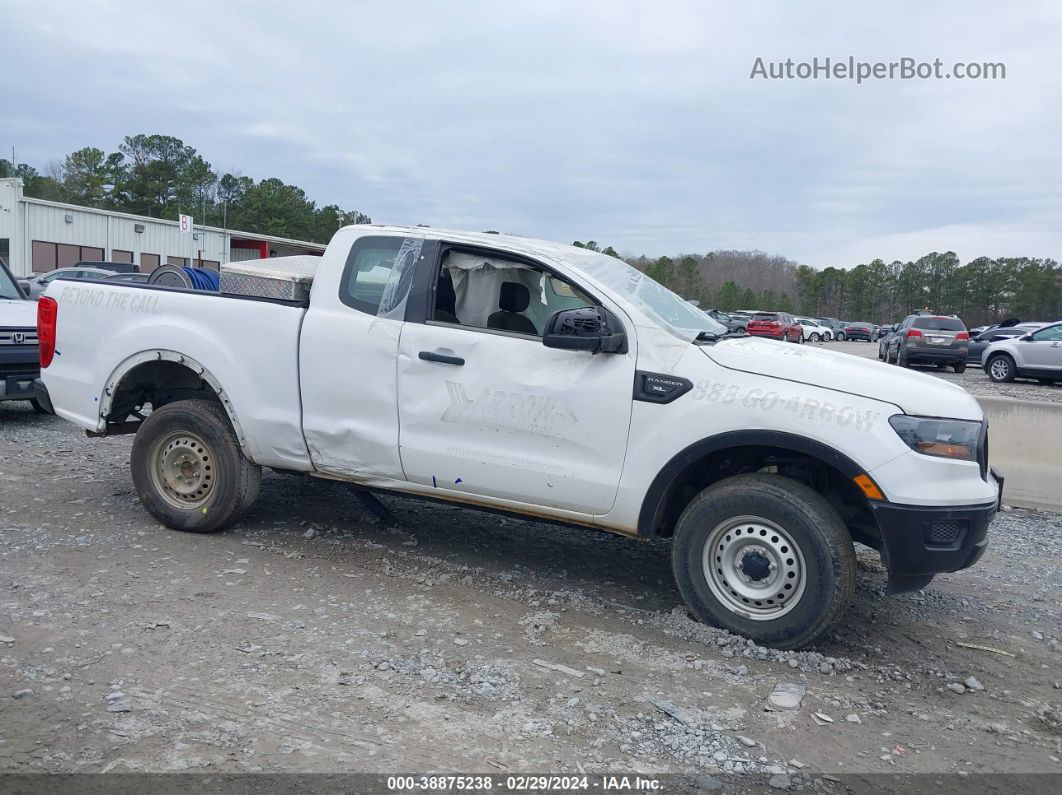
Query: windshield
[[682, 319], [8, 288]]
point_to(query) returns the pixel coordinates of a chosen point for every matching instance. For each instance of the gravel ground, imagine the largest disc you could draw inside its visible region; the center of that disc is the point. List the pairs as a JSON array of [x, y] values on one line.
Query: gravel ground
[[311, 639], [973, 380]]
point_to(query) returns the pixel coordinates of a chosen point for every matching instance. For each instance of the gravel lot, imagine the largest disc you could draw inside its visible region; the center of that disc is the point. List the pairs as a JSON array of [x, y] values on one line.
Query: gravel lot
[[973, 380], [311, 639]]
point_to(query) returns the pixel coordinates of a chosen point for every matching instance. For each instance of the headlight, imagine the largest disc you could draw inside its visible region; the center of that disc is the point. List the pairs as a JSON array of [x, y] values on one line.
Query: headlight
[[944, 438]]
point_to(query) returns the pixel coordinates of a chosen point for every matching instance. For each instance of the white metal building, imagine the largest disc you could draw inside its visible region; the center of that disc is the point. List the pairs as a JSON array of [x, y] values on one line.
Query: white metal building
[[37, 236]]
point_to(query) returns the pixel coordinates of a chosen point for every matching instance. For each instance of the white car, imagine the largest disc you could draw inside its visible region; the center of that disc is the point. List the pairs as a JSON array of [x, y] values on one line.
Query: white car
[[1036, 354], [538, 379], [814, 331]]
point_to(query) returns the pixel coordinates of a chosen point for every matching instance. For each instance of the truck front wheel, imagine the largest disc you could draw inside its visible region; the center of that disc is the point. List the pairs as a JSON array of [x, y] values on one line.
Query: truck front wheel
[[189, 470], [766, 557]]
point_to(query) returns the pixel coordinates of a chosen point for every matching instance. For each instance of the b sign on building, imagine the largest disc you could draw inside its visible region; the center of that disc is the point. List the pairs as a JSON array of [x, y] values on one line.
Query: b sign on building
[[185, 222]]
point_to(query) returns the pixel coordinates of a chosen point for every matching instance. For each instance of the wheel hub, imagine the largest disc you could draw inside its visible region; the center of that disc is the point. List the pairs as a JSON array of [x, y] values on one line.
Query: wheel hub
[[183, 470], [754, 568]]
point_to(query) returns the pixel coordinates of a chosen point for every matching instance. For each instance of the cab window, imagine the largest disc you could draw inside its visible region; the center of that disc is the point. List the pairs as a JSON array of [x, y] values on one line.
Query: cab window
[[491, 291], [378, 274]]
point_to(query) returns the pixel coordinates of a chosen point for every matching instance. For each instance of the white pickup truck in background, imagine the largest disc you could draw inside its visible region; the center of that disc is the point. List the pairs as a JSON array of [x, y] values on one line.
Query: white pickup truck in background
[[541, 379]]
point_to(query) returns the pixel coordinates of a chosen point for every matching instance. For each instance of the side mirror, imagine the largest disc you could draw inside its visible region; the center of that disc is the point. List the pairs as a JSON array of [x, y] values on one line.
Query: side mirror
[[588, 328], [24, 286]]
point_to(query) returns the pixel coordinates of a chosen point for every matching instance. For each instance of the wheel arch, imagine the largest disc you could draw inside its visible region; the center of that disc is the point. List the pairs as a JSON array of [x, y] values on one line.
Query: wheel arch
[[164, 374], [714, 458]]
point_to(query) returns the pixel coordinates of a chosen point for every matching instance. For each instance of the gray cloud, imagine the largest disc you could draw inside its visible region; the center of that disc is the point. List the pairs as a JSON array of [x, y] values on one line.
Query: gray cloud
[[632, 123]]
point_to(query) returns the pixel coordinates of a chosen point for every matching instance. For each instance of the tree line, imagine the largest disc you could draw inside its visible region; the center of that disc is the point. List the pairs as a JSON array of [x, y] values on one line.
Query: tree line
[[160, 176], [984, 290]]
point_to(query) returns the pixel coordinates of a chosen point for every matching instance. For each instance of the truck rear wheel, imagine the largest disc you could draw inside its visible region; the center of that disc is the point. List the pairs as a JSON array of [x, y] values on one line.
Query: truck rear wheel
[[766, 557], [189, 470]]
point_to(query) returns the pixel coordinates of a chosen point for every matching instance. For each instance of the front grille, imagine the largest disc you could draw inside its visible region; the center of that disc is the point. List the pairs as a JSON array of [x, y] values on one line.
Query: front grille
[[944, 532], [19, 370], [18, 336]]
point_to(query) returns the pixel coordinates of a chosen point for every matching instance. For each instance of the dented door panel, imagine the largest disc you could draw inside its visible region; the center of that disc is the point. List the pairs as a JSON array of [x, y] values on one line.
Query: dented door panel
[[515, 420]]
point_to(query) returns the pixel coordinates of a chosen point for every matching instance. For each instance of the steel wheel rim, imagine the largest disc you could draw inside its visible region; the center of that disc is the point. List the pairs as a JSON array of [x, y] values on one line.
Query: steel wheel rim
[[769, 582], [999, 369], [182, 470]]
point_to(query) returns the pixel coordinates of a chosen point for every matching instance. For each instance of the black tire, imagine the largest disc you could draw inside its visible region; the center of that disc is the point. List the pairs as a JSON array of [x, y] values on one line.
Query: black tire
[[814, 336], [1001, 369], [840, 336], [959, 367], [37, 407], [221, 482], [826, 574], [901, 357]]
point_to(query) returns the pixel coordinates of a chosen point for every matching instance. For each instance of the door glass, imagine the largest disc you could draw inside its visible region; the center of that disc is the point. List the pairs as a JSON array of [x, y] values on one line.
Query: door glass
[[493, 292], [1052, 334]]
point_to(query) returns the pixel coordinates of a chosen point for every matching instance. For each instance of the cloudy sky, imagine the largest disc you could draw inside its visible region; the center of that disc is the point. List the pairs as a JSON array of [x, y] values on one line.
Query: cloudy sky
[[632, 123]]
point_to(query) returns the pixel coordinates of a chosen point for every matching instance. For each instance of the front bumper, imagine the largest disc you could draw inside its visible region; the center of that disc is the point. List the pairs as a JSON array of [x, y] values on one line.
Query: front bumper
[[19, 367], [918, 542]]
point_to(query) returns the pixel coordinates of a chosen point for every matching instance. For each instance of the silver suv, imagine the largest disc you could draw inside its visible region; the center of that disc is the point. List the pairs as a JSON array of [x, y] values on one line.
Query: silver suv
[[1037, 354], [929, 339]]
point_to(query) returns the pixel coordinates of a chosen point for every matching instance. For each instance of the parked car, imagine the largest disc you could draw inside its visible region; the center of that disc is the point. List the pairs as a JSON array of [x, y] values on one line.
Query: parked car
[[884, 333], [136, 278], [835, 325], [979, 342], [884, 329], [814, 330], [929, 339], [19, 359], [860, 331], [111, 267], [510, 388], [40, 283], [733, 323], [776, 325], [1036, 354]]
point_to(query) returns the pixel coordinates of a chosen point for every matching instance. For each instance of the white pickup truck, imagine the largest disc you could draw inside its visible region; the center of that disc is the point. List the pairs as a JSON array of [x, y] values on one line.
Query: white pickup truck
[[539, 379]]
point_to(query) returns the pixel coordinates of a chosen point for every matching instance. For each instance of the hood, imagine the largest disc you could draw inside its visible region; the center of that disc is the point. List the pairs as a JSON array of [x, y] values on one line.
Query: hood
[[914, 393], [18, 314]]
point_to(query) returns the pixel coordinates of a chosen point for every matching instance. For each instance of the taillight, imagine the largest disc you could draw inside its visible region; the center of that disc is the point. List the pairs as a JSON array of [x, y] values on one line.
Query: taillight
[[913, 332], [962, 335], [47, 312]]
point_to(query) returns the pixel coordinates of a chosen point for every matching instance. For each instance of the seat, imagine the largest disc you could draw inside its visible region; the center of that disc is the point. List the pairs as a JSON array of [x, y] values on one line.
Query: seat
[[514, 299], [446, 299]]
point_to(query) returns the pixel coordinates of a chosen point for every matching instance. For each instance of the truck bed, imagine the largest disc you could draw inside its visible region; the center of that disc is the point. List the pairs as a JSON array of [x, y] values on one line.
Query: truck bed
[[249, 345]]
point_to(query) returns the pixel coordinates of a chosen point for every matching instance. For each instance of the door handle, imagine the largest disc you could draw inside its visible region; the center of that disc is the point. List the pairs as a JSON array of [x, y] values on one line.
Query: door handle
[[431, 356]]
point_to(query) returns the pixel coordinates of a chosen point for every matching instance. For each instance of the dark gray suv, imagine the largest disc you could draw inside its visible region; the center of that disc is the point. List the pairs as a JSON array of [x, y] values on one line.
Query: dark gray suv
[[929, 339]]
